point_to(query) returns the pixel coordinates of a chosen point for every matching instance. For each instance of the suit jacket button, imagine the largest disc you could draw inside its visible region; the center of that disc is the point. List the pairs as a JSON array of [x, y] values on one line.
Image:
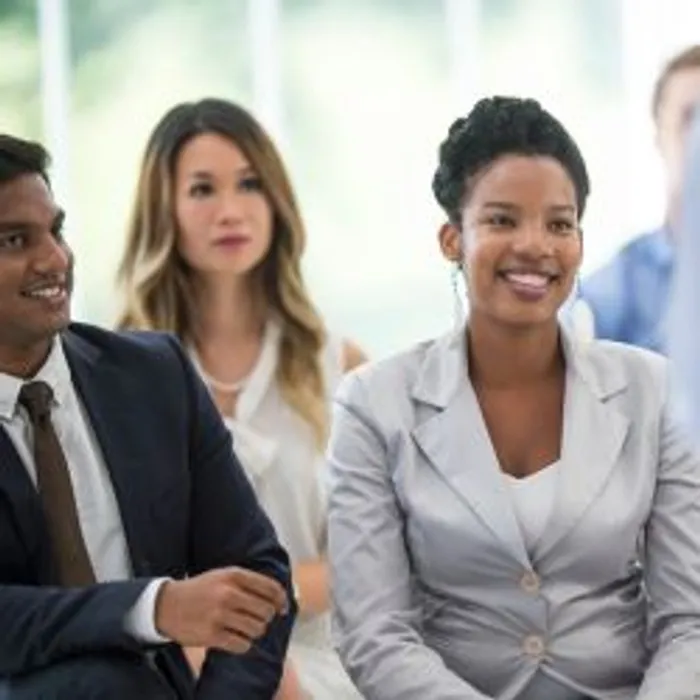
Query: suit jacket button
[[533, 645], [530, 582]]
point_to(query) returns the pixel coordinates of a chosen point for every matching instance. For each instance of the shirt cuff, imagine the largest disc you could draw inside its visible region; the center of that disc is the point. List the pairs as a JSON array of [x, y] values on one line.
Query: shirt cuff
[[141, 619]]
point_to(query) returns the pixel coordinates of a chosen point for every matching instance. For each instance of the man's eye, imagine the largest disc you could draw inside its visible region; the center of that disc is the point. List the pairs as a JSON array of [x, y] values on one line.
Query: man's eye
[[12, 241]]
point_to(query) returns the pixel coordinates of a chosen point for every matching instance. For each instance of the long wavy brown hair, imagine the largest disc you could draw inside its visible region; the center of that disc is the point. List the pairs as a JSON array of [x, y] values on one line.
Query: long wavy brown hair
[[157, 284]]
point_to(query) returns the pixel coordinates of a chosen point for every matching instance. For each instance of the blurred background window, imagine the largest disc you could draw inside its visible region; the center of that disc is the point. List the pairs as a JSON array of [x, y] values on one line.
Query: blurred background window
[[358, 94]]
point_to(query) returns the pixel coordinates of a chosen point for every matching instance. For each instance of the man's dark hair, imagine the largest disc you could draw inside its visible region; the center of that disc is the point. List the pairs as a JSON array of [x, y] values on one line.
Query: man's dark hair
[[499, 126], [19, 157]]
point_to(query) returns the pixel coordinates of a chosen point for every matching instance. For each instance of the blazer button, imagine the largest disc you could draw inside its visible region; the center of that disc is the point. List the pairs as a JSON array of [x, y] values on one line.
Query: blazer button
[[530, 582], [533, 646]]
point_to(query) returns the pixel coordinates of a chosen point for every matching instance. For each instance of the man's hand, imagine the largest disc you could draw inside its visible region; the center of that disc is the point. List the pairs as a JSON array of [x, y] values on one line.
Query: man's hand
[[225, 609]]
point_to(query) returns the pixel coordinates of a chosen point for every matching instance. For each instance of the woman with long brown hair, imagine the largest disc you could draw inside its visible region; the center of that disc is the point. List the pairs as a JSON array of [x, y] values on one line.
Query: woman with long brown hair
[[214, 255]]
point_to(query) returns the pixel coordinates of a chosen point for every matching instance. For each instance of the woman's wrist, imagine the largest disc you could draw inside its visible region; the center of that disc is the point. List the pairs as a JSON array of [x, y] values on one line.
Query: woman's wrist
[[296, 590]]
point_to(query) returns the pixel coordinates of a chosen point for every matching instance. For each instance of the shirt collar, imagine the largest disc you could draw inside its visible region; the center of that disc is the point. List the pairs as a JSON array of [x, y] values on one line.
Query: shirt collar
[[55, 372]]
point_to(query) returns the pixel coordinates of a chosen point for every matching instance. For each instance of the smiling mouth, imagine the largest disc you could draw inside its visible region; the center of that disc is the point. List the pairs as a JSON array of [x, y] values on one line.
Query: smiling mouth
[[54, 293], [528, 286], [535, 281]]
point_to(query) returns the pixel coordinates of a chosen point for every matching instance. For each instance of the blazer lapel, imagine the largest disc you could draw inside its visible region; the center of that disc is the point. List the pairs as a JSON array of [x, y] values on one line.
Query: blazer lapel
[[23, 499], [455, 440], [594, 433], [107, 395]]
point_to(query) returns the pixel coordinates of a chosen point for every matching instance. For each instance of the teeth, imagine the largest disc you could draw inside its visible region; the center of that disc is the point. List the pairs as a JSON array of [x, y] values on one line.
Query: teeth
[[46, 292], [528, 279]]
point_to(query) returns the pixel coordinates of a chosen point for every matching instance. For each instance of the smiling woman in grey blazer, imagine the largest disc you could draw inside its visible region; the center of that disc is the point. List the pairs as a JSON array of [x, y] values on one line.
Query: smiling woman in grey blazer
[[513, 515]]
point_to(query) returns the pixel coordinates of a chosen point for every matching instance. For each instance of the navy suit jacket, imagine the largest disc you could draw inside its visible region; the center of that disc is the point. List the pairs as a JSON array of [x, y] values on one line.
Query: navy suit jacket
[[186, 506]]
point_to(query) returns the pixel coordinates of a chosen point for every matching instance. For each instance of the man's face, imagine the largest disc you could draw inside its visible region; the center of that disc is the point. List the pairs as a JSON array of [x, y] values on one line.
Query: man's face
[[678, 100], [35, 267]]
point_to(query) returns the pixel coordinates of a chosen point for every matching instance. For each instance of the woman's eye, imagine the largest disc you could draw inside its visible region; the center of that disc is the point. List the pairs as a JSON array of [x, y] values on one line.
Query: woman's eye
[[201, 189], [251, 184], [500, 221]]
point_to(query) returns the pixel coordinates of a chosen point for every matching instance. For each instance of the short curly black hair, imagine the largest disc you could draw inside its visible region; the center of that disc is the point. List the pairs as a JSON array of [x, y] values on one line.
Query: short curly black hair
[[498, 126]]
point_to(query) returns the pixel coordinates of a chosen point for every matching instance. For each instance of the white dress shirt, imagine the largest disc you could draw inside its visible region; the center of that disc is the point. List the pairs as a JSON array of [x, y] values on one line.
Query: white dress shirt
[[98, 510]]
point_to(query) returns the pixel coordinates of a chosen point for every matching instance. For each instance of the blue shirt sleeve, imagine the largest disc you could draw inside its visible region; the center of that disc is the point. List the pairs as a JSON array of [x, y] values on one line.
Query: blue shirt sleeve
[[684, 329], [606, 295]]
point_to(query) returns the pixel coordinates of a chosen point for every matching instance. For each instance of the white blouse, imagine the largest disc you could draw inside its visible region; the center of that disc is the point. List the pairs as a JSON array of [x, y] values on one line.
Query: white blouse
[[277, 450], [533, 500]]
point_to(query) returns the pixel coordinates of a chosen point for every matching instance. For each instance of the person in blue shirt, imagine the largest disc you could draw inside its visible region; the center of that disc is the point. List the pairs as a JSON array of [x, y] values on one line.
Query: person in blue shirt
[[684, 326], [629, 296]]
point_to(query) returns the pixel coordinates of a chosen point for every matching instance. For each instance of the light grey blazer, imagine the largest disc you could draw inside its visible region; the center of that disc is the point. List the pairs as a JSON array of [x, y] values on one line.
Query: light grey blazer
[[434, 594]]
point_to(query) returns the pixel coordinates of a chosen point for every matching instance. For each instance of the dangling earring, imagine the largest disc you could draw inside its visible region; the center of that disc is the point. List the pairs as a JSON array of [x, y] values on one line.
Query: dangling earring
[[458, 304]]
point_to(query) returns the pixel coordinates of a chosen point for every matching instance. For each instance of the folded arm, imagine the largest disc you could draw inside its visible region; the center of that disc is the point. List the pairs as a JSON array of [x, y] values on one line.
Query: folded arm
[[229, 528], [40, 626]]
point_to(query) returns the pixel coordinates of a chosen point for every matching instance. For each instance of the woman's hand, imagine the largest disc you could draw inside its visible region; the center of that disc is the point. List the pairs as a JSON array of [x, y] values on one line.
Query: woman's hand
[[311, 587], [195, 657], [290, 685]]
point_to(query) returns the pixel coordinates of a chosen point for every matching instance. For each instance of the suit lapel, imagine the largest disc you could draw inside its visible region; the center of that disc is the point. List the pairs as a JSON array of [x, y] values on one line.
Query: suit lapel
[[594, 433], [23, 499], [455, 440], [108, 396]]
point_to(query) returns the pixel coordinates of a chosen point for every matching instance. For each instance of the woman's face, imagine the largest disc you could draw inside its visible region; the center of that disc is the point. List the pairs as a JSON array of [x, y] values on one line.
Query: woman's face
[[519, 244], [224, 219]]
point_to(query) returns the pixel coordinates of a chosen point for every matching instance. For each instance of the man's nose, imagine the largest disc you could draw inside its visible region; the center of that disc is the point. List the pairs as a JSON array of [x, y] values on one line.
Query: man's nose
[[53, 255]]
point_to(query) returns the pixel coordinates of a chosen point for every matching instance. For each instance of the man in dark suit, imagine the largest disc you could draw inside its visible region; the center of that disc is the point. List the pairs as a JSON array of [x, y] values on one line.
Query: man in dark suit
[[128, 529]]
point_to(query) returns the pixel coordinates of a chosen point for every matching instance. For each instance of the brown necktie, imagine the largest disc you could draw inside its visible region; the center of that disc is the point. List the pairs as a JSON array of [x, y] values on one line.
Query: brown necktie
[[56, 491]]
